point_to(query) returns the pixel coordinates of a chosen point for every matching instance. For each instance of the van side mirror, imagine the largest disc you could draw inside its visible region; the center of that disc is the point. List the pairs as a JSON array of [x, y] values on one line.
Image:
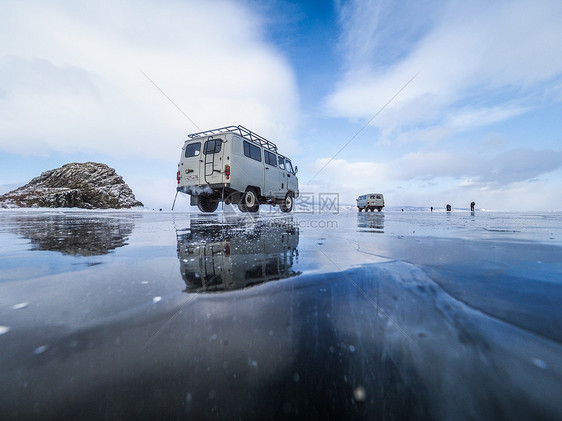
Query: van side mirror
[[296, 169]]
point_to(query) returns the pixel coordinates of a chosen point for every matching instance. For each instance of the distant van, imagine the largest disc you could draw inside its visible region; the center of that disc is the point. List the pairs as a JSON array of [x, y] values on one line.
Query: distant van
[[370, 202], [234, 165]]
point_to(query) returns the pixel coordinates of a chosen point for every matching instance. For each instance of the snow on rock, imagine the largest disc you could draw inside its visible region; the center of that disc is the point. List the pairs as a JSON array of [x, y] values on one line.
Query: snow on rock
[[88, 185]]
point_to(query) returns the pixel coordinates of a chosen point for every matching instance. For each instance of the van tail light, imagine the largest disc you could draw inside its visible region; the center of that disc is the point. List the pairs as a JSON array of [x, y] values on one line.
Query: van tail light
[[178, 177], [227, 171]]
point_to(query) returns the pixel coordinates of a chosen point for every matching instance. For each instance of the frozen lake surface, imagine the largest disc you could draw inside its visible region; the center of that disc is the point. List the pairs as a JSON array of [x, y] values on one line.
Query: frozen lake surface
[[392, 315]]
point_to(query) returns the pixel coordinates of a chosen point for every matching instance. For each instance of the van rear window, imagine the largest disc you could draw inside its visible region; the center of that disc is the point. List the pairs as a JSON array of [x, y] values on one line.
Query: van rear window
[[213, 146], [252, 151], [193, 149]]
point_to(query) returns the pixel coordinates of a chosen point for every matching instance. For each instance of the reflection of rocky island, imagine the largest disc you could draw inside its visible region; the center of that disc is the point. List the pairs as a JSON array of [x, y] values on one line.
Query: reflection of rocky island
[[75, 235], [370, 222], [231, 255]]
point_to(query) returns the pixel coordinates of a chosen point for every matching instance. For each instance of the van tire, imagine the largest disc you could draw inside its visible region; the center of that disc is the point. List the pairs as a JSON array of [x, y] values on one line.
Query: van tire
[[287, 203], [207, 203], [249, 201]]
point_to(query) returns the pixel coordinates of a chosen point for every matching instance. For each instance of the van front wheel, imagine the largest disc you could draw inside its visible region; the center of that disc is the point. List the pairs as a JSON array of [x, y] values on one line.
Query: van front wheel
[[207, 203], [288, 202], [249, 201]]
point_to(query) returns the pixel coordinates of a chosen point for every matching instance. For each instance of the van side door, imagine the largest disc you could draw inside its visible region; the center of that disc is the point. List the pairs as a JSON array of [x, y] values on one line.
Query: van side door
[[292, 182], [271, 174], [282, 176]]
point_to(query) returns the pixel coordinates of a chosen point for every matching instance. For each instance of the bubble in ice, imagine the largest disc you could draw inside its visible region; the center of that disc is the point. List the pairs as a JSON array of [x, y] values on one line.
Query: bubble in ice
[[144, 282], [20, 305], [188, 401], [359, 394], [40, 349], [351, 348], [4, 329], [540, 363], [156, 299]]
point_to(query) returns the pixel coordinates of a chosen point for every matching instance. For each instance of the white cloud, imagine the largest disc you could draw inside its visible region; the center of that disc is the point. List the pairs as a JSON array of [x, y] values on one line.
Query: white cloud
[[71, 80], [476, 59], [423, 177]]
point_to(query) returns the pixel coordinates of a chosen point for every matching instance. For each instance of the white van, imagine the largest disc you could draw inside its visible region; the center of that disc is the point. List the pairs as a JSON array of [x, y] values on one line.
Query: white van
[[370, 202], [234, 165]]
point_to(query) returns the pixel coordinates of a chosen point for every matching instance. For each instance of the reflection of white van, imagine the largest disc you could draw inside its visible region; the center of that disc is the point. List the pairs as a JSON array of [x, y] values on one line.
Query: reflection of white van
[[234, 165], [221, 257], [370, 202]]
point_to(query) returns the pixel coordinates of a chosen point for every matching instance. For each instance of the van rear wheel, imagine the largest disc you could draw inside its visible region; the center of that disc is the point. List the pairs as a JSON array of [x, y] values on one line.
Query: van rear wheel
[[207, 203], [288, 202], [249, 201]]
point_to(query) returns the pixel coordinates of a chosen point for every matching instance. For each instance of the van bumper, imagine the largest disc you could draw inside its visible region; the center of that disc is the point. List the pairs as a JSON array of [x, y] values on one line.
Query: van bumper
[[203, 189]]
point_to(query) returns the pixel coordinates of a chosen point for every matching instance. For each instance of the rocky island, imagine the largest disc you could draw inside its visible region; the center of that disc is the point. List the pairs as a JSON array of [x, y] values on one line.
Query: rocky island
[[87, 185]]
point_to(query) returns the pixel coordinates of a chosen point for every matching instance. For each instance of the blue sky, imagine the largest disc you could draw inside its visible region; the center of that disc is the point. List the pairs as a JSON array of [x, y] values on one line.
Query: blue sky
[[476, 87]]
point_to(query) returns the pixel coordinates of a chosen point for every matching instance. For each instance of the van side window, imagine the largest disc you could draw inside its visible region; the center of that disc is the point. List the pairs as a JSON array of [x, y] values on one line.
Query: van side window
[[213, 146], [281, 162], [289, 166], [252, 151], [192, 149], [270, 158]]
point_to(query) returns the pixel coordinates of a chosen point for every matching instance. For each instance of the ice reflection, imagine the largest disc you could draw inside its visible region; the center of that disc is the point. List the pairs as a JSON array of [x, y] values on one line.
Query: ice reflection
[[219, 255], [72, 234], [370, 222]]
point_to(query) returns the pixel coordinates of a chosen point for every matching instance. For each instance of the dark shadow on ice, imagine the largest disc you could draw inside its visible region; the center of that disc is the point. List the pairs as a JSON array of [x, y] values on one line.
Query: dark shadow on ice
[[73, 234], [219, 254], [316, 348]]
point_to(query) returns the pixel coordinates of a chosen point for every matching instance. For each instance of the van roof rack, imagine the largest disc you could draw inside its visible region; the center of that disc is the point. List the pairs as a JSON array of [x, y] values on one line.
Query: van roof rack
[[242, 131]]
